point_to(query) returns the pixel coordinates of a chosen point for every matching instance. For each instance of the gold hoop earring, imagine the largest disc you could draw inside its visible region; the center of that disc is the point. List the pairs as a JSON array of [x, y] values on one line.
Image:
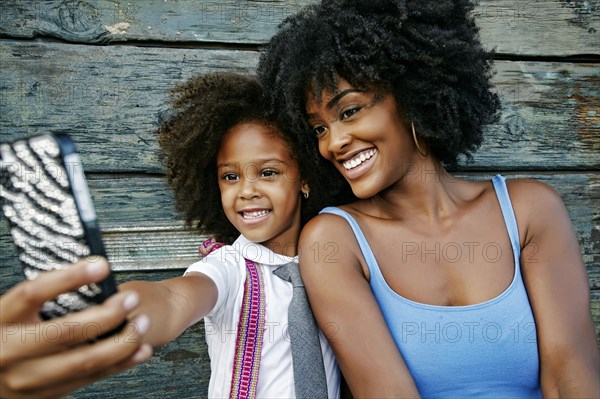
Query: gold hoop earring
[[417, 142], [305, 195]]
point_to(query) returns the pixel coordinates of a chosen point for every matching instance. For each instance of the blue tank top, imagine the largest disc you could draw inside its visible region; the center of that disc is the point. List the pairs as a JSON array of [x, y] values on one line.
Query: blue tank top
[[486, 350]]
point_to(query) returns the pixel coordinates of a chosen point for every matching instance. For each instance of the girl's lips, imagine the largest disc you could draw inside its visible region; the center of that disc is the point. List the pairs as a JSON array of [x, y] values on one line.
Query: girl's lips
[[359, 164], [254, 216]]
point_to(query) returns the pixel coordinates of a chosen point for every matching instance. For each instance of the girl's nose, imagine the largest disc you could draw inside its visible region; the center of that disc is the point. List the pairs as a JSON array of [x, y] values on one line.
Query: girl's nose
[[248, 187]]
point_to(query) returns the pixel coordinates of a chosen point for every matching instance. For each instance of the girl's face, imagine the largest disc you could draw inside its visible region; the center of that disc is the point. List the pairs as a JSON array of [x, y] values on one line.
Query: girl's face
[[260, 186], [362, 134]]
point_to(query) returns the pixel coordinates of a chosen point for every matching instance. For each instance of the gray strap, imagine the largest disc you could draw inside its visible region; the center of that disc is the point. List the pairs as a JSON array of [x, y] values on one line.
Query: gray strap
[[307, 358]]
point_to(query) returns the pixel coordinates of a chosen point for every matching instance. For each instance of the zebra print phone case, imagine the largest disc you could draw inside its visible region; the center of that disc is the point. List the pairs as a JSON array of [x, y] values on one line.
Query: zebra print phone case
[[52, 220]]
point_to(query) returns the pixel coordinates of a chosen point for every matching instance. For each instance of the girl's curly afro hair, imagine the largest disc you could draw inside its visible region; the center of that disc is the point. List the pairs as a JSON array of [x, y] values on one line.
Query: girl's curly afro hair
[[427, 54], [205, 108]]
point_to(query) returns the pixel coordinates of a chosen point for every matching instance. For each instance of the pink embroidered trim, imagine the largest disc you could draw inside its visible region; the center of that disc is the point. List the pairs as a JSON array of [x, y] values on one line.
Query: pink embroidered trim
[[251, 325], [209, 245]]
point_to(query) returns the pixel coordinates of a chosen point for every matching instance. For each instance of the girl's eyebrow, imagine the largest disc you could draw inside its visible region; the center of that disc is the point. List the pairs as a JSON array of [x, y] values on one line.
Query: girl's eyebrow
[[256, 161]]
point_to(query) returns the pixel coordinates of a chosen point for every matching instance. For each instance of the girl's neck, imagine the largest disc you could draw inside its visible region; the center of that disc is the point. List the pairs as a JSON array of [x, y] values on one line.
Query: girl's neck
[[286, 249]]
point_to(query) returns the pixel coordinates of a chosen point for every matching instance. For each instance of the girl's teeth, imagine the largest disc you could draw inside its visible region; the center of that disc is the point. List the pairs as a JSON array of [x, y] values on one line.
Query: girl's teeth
[[354, 162], [256, 214]]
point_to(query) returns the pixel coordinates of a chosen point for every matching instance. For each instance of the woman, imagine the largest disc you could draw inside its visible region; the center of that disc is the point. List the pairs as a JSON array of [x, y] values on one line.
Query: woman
[[425, 283]]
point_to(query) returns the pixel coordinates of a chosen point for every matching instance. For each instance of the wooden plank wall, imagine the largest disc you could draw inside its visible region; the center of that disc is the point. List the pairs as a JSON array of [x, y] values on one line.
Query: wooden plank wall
[[101, 71]]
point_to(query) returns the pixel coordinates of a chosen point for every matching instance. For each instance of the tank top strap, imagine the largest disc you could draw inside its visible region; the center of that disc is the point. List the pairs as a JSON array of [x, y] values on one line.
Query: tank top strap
[[360, 237], [508, 213]]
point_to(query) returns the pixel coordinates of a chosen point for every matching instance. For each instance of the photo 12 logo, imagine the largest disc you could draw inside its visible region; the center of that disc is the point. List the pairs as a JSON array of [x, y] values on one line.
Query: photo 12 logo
[[488, 332]]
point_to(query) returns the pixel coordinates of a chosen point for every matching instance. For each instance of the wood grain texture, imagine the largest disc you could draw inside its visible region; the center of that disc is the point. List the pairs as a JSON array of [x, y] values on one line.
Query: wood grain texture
[[522, 27], [540, 27], [110, 99]]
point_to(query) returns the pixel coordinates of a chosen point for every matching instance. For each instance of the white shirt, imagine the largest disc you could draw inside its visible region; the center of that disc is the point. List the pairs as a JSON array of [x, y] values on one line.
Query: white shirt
[[226, 267]]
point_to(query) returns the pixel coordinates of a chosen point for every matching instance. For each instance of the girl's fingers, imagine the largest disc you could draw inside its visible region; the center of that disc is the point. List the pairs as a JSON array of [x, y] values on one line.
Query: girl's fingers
[[24, 340], [56, 391], [28, 296], [80, 366]]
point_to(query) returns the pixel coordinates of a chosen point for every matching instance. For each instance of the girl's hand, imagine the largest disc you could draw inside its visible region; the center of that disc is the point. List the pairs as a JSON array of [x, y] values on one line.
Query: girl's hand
[[47, 359]]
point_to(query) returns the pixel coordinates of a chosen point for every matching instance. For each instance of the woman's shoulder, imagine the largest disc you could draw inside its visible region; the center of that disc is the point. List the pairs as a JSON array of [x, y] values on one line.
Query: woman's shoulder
[[530, 194], [330, 229], [327, 225], [537, 207]]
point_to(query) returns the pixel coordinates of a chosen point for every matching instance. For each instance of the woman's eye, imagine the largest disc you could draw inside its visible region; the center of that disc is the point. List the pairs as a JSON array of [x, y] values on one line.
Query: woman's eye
[[319, 130], [347, 113]]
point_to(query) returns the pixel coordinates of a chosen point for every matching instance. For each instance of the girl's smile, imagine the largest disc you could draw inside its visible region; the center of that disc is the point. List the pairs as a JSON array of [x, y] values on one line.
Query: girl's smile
[[254, 216]]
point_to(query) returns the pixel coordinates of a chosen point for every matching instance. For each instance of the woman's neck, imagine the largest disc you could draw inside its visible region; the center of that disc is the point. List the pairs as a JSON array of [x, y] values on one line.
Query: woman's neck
[[425, 194]]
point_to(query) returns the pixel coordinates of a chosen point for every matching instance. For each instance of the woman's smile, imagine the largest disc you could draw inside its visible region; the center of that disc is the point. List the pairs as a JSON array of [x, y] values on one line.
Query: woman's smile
[[360, 164]]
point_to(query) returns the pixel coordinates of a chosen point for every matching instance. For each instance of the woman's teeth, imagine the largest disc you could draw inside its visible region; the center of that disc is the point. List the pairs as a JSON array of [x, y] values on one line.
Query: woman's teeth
[[255, 214], [359, 159]]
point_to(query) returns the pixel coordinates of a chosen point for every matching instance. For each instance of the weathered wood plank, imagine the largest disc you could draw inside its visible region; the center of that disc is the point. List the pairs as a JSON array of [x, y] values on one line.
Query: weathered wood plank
[[110, 99], [142, 229], [550, 113], [542, 27], [107, 98], [101, 21], [595, 308]]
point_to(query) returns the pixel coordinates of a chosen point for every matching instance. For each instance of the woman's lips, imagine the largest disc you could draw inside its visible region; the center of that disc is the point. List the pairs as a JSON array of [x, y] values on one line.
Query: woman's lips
[[359, 164]]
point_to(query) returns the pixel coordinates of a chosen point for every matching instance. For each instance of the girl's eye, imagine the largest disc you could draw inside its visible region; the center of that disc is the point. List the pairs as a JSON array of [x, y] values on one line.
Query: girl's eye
[[347, 113], [319, 130], [269, 173], [230, 177]]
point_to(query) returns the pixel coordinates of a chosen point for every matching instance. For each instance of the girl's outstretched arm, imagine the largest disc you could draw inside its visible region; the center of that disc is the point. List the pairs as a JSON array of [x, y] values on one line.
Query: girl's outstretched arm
[[558, 289], [347, 313], [173, 305], [50, 359]]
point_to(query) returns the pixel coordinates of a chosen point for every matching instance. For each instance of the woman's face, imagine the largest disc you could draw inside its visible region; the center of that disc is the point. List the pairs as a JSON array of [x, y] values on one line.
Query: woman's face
[[362, 134]]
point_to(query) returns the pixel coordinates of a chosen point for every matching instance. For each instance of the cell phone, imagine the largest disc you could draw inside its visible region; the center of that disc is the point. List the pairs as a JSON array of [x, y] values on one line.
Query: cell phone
[[45, 197]]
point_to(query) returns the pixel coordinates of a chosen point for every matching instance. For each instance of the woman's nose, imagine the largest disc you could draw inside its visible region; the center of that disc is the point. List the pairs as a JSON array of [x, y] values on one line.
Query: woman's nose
[[338, 138]]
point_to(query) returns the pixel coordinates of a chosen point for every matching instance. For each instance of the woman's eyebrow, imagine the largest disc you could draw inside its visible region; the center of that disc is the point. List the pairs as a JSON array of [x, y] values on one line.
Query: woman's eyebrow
[[339, 96], [336, 98]]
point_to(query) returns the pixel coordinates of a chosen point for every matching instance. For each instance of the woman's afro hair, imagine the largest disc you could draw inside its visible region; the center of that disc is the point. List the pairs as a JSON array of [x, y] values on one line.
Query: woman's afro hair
[[427, 54], [203, 110]]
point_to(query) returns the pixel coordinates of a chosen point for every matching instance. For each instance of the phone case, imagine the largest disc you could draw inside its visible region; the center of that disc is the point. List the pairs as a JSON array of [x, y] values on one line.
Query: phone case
[[52, 220]]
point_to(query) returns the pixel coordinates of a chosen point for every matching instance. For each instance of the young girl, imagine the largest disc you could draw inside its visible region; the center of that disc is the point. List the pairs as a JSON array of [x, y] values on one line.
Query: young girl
[[461, 288], [233, 173]]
